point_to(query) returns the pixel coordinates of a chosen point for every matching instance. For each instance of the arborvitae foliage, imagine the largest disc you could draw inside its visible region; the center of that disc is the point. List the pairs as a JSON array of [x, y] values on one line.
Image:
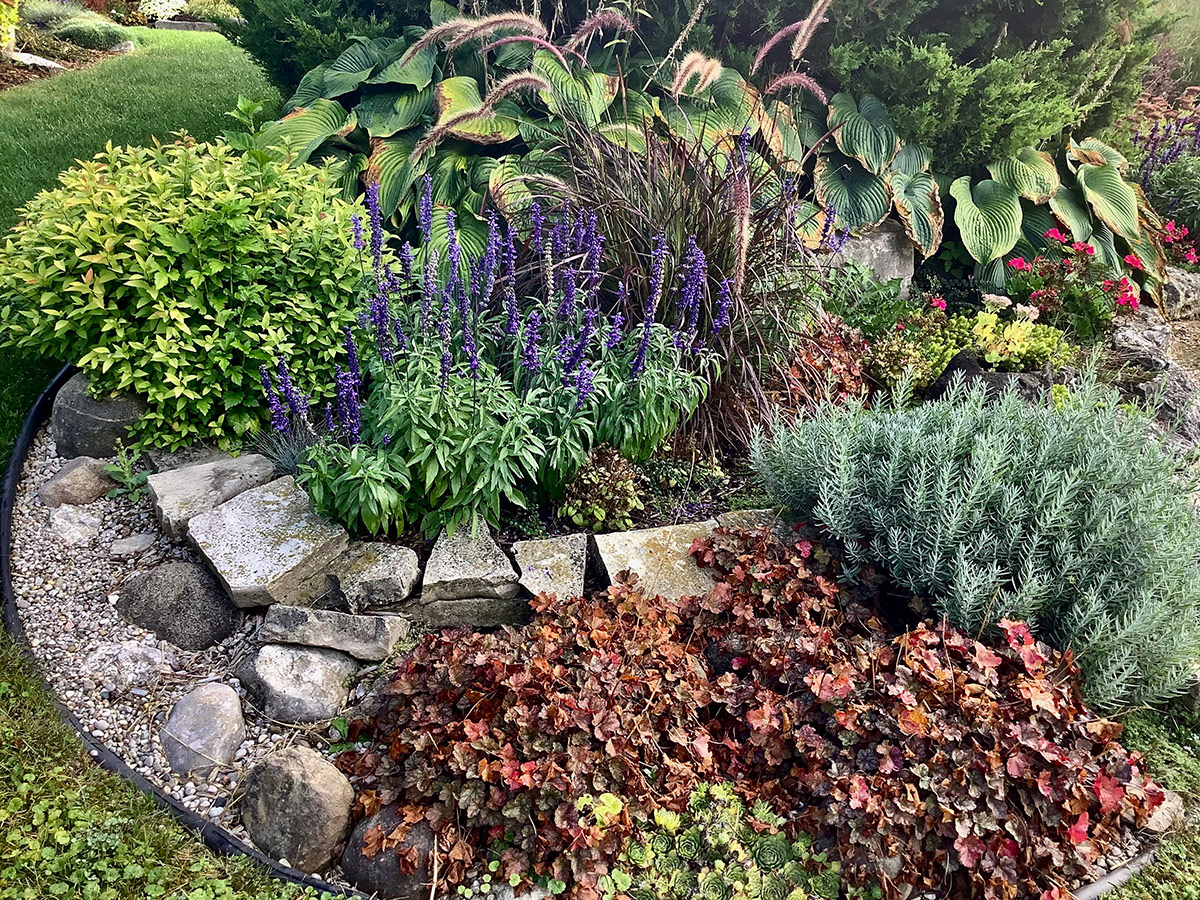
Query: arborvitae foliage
[[1071, 514]]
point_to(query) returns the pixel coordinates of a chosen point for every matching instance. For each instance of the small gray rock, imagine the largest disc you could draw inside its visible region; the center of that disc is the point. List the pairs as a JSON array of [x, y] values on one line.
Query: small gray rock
[[660, 557], [126, 665], [373, 575], [1175, 393], [181, 602], [553, 566], [81, 481], [134, 545], [265, 543], [82, 426], [204, 730], [380, 874], [123, 47], [181, 494], [966, 366], [478, 612], [297, 807], [74, 525], [363, 637], [462, 566], [1181, 294], [297, 684]]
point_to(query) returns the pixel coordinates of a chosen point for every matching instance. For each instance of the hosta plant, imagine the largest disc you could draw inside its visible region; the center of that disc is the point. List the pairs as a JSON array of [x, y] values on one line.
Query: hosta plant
[[175, 272]]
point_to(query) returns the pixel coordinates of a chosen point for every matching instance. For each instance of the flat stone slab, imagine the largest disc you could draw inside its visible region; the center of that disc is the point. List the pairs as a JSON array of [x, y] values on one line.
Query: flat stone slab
[[297, 684], [266, 542], [32, 59], [180, 495], [463, 566], [478, 612], [659, 557], [751, 519], [195, 455], [369, 638], [553, 566], [373, 575], [74, 526]]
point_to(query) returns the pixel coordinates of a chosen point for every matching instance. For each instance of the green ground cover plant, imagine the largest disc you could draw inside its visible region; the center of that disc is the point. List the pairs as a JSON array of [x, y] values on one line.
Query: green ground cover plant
[[1069, 514]]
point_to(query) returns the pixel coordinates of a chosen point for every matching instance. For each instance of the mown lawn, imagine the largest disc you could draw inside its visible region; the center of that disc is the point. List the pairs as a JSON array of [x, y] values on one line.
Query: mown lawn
[[176, 80], [67, 828]]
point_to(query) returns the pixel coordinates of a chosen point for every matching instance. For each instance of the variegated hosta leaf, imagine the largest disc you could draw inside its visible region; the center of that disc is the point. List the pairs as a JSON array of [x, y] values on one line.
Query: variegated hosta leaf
[[1029, 172], [303, 130], [777, 125], [913, 159], [1111, 198], [391, 165], [988, 217], [864, 131], [417, 71], [1105, 243], [990, 278], [718, 114], [586, 96], [1097, 153], [920, 209], [386, 113], [458, 98], [312, 87], [861, 198], [355, 65], [1150, 247], [347, 165], [1071, 210]]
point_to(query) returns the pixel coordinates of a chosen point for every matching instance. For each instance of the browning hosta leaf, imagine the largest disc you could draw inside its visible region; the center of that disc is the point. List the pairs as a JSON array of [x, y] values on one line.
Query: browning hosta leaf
[[922, 748], [920, 209]]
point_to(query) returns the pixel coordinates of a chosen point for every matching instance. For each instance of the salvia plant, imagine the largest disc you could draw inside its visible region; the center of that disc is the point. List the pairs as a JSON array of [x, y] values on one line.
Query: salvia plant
[[489, 375]]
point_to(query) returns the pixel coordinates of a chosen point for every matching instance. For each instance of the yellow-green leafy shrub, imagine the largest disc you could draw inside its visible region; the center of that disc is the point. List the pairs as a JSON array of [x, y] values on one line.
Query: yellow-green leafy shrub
[[8, 21], [175, 272]]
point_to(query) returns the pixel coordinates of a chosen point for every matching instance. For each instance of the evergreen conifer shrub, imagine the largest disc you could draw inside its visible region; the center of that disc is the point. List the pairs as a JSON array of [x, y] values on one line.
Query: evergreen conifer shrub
[[1071, 514]]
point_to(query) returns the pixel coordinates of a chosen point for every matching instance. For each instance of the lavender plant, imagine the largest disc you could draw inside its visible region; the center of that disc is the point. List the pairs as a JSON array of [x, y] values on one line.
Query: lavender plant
[[492, 376]]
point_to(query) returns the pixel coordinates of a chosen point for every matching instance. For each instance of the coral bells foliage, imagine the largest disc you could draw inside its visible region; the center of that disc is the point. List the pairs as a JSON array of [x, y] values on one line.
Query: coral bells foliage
[[970, 769]]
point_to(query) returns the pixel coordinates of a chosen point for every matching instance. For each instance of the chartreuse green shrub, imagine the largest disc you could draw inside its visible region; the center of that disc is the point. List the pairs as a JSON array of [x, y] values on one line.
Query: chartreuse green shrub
[[1069, 514], [175, 272]]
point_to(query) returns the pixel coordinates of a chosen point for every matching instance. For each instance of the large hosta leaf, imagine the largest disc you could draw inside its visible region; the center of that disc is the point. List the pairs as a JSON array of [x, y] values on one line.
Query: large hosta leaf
[[1071, 210], [355, 65], [388, 112], [860, 198], [391, 165], [988, 217], [1035, 222], [913, 159], [920, 209], [864, 131], [777, 125], [312, 87], [303, 130], [716, 115], [459, 107], [417, 71], [1029, 172], [585, 96], [1111, 198], [1096, 152]]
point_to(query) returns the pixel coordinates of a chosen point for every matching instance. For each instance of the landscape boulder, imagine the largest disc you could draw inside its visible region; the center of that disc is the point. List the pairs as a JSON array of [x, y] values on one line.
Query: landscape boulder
[[80, 481], [204, 730], [553, 565], [366, 637], [967, 368], [297, 684], [1181, 294], [125, 665], [660, 557], [380, 873], [266, 543], [181, 494], [83, 426], [463, 566], [887, 251], [181, 602], [297, 808]]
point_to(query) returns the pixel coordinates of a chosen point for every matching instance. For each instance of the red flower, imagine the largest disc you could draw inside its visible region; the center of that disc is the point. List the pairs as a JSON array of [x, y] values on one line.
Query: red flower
[[1055, 235], [1021, 265], [1081, 247], [937, 303], [1135, 262]]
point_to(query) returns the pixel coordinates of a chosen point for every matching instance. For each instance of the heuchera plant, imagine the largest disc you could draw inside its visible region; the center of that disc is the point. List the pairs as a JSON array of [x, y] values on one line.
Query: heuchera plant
[[968, 768], [495, 373], [1070, 289]]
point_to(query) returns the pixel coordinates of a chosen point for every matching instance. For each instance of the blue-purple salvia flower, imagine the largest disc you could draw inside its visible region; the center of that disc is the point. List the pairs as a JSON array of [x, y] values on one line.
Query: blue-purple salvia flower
[[491, 260], [570, 289], [279, 416], [356, 224], [447, 362], [429, 290], [584, 385], [406, 262], [512, 314], [724, 304], [400, 337], [425, 210], [376, 215], [297, 403], [352, 357], [615, 324], [579, 351], [530, 353], [348, 410], [695, 278], [329, 426], [658, 262]]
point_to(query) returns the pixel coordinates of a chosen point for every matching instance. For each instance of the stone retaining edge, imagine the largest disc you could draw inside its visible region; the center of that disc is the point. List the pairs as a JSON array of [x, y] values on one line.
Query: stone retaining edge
[[214, 837]]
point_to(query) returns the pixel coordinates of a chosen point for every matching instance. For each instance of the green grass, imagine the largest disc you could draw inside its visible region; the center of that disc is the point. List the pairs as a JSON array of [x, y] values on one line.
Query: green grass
[[67, 828], [176, 80]]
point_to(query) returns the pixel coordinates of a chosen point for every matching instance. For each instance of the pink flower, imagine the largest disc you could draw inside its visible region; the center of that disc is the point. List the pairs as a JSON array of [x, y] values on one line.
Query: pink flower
[[1174, 232], [1191, 256], [1020, 265], [899, 326], [1135, 262], [937, 303], [1081, 247], [1055, 235]]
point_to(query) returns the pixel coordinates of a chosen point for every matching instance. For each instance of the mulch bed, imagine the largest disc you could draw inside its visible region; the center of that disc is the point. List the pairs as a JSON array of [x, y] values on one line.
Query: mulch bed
[[12, 74]]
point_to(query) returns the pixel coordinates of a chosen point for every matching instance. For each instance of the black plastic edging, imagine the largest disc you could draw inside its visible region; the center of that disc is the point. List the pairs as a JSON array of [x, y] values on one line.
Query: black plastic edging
[[214, 836]]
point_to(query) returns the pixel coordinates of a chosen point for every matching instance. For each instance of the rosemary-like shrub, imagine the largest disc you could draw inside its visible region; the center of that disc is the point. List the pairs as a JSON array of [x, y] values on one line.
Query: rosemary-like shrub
[[1071, 514]]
